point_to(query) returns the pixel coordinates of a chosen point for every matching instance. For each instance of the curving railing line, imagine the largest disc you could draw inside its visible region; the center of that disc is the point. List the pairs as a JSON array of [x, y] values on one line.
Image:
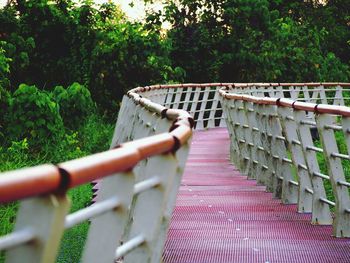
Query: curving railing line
[[273, 129], [275, 140], [135, 200]]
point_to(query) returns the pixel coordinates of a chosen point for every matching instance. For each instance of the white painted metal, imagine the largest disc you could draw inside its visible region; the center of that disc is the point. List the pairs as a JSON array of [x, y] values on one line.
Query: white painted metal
[[341, 225], [261, 125], [181, 157], [91, 212], [106, 231], [203, 108], [321, 213], [291, 131], [149, 207], [17, 238], [45, 217]]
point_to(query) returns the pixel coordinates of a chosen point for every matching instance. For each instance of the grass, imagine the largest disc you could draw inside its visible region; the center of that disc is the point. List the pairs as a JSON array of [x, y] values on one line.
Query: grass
[[74, 239], [341, 143], [91, 137]]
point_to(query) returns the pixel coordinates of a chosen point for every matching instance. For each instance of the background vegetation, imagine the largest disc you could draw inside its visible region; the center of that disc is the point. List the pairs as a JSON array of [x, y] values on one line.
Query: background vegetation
[[64, 66]]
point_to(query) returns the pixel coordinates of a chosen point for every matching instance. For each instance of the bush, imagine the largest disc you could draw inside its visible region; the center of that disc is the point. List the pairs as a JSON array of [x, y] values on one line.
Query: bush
[[35, 116], [75, 104], [4, 105], [4, 95]]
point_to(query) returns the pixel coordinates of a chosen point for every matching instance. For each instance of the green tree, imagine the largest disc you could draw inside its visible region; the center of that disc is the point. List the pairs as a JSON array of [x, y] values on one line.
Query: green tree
[[249, 41]]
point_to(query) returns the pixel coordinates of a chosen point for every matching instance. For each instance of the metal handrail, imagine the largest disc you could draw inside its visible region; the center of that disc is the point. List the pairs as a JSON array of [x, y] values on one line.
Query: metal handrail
[[258, 122], [156, 124]]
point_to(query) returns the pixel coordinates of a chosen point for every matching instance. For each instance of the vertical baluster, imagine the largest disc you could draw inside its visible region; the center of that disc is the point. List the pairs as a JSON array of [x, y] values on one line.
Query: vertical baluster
[[162, 97], [338, 97], [320, 211], [279, 92], [278, 150], [150, 205], [220, 108], [181, 157], [106, 230], [315, 94], [169, 97], [194, 103], [290, 192], [178, 94], [200, 122], [294, 92], [306, 93], [304, 180], [322, 94], [341, 224], [229, 109], [262, 151], [187, 98], [221, 117], [123, 127], [253, 136], [45, 217], [266, 140], [243, 150], [213, 110], [259, 91], [245, 140]]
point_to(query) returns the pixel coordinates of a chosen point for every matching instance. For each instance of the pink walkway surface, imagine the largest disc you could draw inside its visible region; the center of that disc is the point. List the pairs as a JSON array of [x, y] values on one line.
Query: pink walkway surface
[[220, 216]]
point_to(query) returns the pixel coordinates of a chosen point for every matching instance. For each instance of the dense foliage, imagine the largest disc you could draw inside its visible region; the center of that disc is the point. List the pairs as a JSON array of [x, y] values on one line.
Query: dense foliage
[[61, 42], [258, 40]]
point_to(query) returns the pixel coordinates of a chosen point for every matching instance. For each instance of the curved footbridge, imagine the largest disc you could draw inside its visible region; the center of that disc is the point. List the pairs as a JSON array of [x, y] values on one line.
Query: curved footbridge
[[222, 216], [221, 172]]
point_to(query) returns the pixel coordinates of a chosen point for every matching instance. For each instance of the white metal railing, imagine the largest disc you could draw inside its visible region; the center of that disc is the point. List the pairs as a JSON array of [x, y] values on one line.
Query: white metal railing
[[199, 100], [139, 176], [136, 195], [283, 142]]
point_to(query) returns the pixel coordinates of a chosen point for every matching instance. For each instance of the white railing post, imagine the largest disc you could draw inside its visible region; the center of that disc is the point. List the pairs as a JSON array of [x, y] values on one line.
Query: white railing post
[[241, 150], [290, 192], [251, 128], [187, 98], [181, 157], [44, 216], [321, 214], [203, 105], [263, 155], [169, 97], [341, 225], [234, 149], [277, 149], [338, 97], [245, 141], [178, 95], [149, 207], [194, 102], [266, 137], [213, 110], [106, 231], [124, 124], [304, 180]]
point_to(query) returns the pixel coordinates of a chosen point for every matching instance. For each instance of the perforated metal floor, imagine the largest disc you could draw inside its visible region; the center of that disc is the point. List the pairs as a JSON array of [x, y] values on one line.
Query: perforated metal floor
[[220, 216]]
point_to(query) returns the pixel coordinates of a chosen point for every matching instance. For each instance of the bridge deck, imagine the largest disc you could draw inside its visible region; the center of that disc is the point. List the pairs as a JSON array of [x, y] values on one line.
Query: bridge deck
[[220, 216]]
